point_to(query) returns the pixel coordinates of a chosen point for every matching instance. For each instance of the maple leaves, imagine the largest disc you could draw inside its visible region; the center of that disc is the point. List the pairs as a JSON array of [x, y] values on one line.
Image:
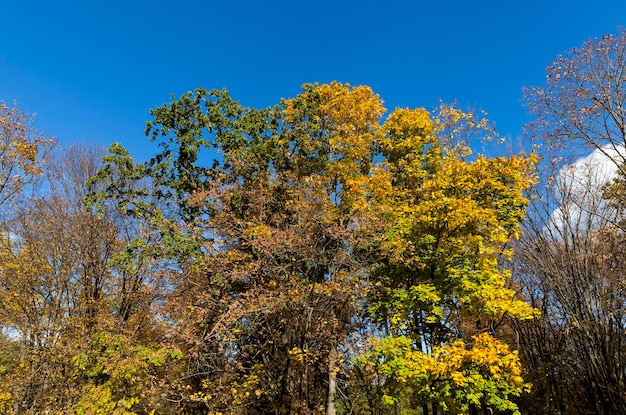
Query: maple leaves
[[332, 258], [456, 375], [447, 221]]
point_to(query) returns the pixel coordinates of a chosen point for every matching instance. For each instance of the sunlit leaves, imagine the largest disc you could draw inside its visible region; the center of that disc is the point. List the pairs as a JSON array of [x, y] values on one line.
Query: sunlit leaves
[[456, 376], [448, 220], [121, 378]]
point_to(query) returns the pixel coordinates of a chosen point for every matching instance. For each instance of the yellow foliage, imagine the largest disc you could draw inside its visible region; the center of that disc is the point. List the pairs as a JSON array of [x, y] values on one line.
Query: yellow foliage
[[339, 131], [455, 375], [6, 401]]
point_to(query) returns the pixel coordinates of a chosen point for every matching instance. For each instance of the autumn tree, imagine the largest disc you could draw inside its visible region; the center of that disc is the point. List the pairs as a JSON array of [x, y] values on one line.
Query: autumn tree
[[263, 239], [313, 215], [53, 280], [22, 153], [448, 219], [569, 265], [62, 285]]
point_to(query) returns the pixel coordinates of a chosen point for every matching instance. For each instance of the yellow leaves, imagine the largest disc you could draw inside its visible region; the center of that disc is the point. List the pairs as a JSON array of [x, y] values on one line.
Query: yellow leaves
[[252, 386], [258, 231], [515, 308], [6, 397], [458, 219], [457, 129], [407, 132], [458, 378], [333, 129], [118, 375], [201, 395], [25, 152], [297, 354], [25, 275], [352, 110], [407, 123], [380, 184], [454, 375], [96, 401]]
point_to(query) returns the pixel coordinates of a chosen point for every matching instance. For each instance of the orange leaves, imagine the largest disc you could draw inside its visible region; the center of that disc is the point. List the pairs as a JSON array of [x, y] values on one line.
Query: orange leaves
[[21, 151]]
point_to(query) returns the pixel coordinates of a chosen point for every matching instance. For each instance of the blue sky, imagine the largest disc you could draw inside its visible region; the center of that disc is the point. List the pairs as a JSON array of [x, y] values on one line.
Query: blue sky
[[91, 70]]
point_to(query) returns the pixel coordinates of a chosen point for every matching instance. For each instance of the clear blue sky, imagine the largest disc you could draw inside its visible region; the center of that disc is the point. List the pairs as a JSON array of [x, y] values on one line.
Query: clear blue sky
[[91, 70]]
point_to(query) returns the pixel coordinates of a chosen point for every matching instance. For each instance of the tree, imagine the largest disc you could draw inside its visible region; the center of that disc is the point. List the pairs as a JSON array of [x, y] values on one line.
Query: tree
[[62, 284], [569, 265], [53, 276], [270, 281], [582, 102], [581, 107], [569, 262], [315, 212], [447, 223]]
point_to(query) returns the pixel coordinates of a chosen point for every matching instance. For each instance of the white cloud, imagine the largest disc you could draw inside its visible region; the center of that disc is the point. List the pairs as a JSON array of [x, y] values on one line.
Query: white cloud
[[578, 192]]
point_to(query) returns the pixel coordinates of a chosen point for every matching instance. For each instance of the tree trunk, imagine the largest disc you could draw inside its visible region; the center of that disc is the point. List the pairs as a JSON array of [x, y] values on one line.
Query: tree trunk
[[332, 381]]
